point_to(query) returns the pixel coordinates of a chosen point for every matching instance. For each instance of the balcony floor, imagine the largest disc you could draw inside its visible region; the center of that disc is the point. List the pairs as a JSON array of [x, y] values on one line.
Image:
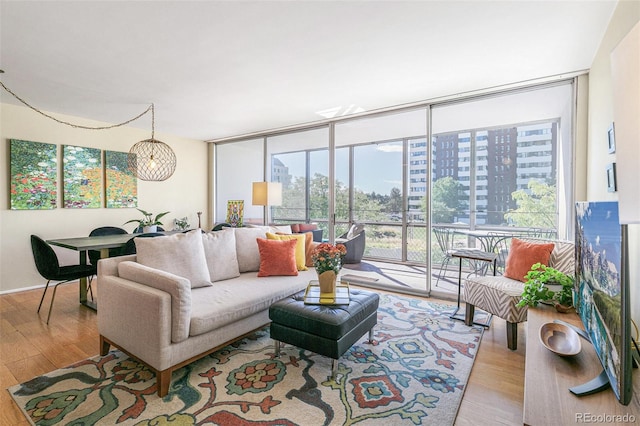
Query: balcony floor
[[403, 278]]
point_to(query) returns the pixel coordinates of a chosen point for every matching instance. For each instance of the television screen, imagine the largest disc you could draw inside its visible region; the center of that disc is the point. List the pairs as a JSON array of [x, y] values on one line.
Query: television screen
[[602, 290]]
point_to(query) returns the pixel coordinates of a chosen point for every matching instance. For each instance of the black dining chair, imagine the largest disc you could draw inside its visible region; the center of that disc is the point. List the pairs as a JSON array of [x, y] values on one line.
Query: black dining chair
[[94, 255], [140, 229], [221, 226], [48, 266], [130, 246]]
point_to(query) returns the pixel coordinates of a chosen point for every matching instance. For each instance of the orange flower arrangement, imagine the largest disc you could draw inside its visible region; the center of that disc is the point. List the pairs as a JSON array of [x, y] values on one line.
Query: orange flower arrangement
[[327, 257]]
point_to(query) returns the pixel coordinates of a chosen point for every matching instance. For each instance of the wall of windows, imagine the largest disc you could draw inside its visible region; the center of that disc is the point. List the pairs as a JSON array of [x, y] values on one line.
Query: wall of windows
[[493, 162]]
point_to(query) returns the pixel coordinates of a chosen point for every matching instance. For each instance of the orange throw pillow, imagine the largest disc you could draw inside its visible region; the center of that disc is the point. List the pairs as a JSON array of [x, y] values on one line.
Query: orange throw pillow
[[523, 255], [300, 247], [312, 244], [277, 257]]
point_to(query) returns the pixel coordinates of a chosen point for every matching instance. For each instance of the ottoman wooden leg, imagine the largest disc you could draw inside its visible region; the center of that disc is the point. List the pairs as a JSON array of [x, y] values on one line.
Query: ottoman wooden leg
[[371, 335], [334, 368], [277, 345]]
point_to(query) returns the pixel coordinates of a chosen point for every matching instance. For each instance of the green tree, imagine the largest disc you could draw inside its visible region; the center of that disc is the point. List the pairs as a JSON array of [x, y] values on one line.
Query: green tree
[[446, 200], [536, 206], [395, 200]]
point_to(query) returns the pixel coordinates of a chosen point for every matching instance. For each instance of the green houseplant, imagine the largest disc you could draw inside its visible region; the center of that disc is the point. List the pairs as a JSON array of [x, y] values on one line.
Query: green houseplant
[[546, 284], [148, 223]]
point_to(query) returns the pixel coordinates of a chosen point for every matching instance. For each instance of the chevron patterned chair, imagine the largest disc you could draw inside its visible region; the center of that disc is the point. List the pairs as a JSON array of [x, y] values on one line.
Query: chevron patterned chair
[[498, 295]]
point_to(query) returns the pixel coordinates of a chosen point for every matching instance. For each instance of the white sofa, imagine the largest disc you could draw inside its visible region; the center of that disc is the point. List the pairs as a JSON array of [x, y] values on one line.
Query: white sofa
[[157, 317]]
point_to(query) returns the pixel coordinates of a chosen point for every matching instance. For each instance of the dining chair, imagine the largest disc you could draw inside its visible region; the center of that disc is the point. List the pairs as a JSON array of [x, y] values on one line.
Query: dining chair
[[130, 246], [94, 255], [140, 229], [48, 266]]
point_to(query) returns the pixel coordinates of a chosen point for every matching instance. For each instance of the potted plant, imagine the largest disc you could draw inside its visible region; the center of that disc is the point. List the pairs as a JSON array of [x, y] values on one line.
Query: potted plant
[[546, 284], [181, 224], [327, 260], [148, 223]]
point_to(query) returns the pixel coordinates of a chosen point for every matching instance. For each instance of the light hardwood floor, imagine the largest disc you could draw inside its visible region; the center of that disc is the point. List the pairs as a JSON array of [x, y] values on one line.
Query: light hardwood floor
[[28, 348]]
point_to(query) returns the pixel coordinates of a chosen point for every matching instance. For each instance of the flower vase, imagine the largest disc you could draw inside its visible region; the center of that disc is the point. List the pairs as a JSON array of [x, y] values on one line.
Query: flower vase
[[150, 228], [327, 281]]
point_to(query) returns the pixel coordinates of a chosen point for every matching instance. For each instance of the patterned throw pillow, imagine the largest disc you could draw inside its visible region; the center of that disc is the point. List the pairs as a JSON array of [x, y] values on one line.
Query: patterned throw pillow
[[277, 257]]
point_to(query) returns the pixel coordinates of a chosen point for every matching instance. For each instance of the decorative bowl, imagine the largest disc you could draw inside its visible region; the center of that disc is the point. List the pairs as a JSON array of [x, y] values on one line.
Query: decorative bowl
[[560, 339]]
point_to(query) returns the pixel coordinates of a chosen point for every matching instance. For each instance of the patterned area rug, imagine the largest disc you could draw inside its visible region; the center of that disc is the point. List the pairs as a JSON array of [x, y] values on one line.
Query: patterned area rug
[[414, 373]]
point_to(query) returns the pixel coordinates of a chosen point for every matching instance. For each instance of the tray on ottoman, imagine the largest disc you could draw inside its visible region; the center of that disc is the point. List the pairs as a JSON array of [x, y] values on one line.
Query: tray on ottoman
[[313, 295], [328, 330]]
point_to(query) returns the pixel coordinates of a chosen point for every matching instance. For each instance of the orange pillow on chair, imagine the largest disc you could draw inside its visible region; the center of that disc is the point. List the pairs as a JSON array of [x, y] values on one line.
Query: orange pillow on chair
[[277, 257], [523, 255]]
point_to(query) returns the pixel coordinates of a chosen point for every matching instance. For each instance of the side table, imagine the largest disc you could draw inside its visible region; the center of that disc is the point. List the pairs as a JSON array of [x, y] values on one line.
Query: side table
[[476, 255]]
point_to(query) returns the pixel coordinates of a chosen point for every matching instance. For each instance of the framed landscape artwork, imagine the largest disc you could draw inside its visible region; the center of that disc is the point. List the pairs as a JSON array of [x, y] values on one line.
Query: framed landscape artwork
[[34, 175], [82, 176], [121, 184]]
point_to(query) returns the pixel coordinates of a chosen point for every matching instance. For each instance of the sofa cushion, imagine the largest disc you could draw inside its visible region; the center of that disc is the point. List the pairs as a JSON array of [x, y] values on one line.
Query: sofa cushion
[[300, 247], [306, 227], [523, 255], [247, 248], [232, 300], [295, 227], [280, 229], [180, 254], [355, 230], [178, 287], [497, 295], [220, 251], [277, 257]]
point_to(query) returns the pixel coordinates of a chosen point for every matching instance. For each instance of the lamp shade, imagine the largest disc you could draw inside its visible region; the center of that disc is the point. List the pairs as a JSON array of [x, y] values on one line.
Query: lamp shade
[[267, 194], [625, 73], [152, 160]]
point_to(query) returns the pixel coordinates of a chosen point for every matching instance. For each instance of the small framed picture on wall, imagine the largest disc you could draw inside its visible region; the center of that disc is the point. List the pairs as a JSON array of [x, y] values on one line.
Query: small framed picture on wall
[[611, 177], [611, 136]]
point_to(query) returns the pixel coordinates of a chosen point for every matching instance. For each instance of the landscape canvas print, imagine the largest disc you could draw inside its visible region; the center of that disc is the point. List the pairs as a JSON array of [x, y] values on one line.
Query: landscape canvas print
[[34, 175], [121, 183], [82, 177]]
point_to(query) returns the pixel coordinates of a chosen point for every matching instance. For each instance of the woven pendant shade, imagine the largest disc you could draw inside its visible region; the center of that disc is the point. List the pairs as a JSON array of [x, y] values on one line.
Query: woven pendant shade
[[152, 160]]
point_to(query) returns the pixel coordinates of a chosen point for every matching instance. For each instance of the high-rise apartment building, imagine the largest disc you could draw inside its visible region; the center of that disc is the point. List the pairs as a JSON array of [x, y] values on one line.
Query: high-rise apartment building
[[503, 160]]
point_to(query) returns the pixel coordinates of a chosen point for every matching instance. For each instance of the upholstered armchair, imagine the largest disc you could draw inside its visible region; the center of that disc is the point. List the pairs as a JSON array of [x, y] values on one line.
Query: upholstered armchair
[[354, 240], [499, 295]]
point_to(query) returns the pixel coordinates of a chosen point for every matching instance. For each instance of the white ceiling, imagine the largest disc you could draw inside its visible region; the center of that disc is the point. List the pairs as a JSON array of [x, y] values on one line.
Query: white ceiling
[[216, 69]]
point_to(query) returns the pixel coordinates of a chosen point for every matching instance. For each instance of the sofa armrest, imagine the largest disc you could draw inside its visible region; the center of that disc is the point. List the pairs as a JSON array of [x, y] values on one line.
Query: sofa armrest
[[136, 318], [178, 287], [109, 265]]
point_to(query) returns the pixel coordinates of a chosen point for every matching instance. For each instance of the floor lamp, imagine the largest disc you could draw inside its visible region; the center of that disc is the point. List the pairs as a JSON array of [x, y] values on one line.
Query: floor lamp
[[266, 194]]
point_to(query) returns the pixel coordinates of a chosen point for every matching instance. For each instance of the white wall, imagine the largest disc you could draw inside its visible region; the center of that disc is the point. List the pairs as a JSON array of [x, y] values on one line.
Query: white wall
[[184, 194], [626, 15]]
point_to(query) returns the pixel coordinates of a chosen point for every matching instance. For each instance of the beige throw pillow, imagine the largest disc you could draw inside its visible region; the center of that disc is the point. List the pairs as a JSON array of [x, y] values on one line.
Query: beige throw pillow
[[220, 251], [247, 248], [179, 254]]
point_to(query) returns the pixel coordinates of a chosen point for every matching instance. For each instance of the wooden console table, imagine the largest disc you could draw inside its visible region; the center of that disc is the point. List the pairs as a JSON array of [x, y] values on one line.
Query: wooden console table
[[548, 377]]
